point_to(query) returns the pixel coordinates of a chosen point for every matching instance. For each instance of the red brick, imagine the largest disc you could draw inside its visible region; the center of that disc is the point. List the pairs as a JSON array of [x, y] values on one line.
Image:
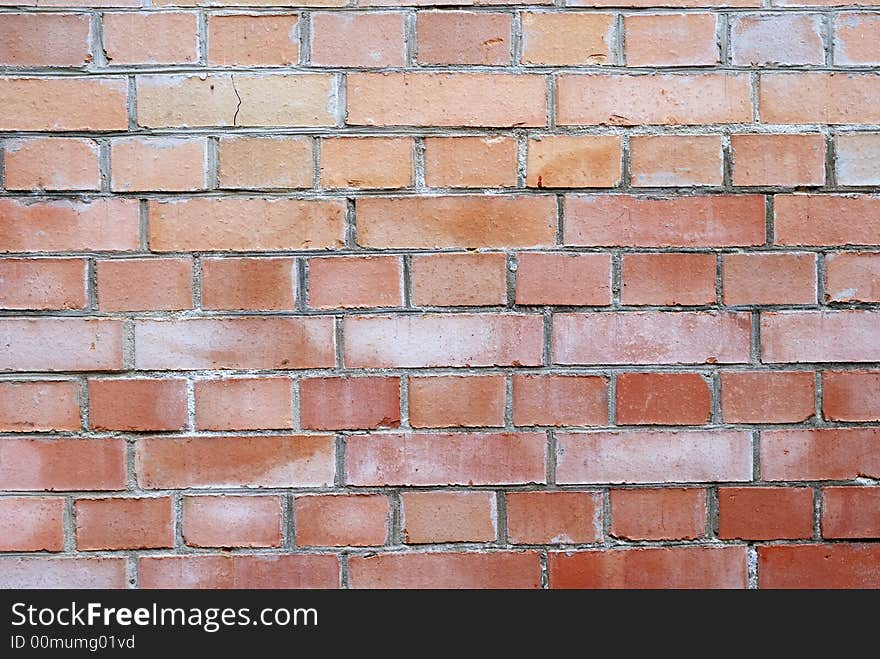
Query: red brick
[[670, 40], [430, 517], [77, 344], [693, 221], [31, 524], [815, 220], [777, 39], [647, 456], [668, 279], [851, 512], [819, 566], [663, 399], [52, 163], [62, 464], [236, 224], [857, 39], [34, 572], [279, 162], [351, 162], [453, 459], [244, 404], [347, 403], [651, 337], [677, 160], [558, 517], [265, 40], [851, 395], [137, 404], [146, 523], [154, 284], [234, 343], [463, 37], [470, 162], [42, 283], [232, 521], [769, 278], [102, 225], [673, 99], [341, 520], [60, 104], [767, 396], [566, 38], [358, 39], [457, 221], [819, 98], [434, 99], [852, 277], [275, 571], [44, 40], [833, 336], [453, 280], [267, 284], [563, 278], [158, 163], [655, 567], [858, 162], [820, 454], [446, 570], [262, 461], [573, 161], [765, 513], [448, 400], [151, 37], [560, 400], [658, 514], [35, 406], [414, 341], [778, 159], [355, 281]]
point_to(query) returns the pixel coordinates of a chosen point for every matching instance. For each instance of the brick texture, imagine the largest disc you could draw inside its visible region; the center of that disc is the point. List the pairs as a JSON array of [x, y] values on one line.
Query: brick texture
[[383, 294]]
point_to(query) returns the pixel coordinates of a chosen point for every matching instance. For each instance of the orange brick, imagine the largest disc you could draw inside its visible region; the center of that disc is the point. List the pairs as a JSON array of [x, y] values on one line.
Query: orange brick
[[77, 344], [267, 284], [819, 98], [342, 403], [767, 396], [247, 40], [668, 279], [145, 523], [265, 162], [670, 40], [833, 336], [447, 401], [567, 39], [819, 454], [459, 280], [814, 219], [67, 464], [769, 278], [356, 520], [857, 39], [554, 517], [151, 38], [44, 40], [474, 570], [662, 160], [31, 524], [852, 277], [778, 159], [355, 281], [563, 278], [137, 404], [434, 99], [566, 161], [42, 283], [559, 400], [765, 513], [851, 395], [358, 39], [374, 162], [430, 517], [470, 162], [244, 404], [663, 399], [158, 164], [155, 284], [232, 521], [463, 37], [52, 163], [39, 406], [658, 514], [777, 39], [60, 104]]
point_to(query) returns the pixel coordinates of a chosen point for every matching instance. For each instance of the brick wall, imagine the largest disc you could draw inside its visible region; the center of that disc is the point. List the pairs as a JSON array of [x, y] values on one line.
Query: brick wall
[[357, 294]]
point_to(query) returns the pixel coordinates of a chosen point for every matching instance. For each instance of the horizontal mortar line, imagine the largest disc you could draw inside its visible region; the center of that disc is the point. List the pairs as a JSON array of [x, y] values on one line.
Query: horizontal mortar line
[[526, 7]]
